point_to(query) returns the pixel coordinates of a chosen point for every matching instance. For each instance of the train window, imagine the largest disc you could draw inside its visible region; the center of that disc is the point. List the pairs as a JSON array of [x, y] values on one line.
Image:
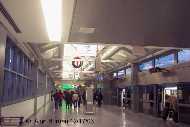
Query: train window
[[183, 56], [164, 61], [146, 65]]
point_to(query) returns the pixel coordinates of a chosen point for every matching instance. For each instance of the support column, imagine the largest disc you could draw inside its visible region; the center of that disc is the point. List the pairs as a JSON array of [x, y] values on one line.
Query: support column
[[176, 58], [61, 54], [135, 89], [155, 106], [3, 37]]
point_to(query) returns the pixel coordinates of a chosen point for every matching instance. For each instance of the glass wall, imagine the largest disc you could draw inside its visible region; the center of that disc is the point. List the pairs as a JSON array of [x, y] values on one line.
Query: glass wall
[[18, 83], [20, 76]]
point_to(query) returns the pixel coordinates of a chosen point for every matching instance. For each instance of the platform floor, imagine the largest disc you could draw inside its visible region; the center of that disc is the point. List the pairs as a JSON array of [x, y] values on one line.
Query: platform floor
[[106, 116]]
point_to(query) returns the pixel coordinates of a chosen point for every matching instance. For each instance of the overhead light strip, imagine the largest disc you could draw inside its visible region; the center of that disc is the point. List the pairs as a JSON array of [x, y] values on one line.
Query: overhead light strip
[[52, 11]]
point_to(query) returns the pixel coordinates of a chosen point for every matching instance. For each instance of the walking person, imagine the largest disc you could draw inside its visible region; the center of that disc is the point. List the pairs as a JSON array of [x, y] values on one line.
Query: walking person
[[75, 99], [68, 100], [95, 97], [84, 97], [52, 95], [60, 98], [80, 99], [99, 98], [56, 99]]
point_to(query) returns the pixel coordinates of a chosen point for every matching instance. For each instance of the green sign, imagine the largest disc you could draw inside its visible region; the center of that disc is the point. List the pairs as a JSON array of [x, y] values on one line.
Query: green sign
[[65, 86]]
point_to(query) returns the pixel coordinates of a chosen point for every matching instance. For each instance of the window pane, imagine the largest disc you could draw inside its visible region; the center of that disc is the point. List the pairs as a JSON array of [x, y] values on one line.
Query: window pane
[[121, 73], [128, 71], [15, 59], [11, 58], [18, 62], [184, 56], [146, 65], [7, 56], [165, 61], [115, 75]]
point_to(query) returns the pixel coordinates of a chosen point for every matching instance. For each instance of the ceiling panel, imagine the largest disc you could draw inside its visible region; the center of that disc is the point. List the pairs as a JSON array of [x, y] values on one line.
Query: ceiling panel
[[134, 22]]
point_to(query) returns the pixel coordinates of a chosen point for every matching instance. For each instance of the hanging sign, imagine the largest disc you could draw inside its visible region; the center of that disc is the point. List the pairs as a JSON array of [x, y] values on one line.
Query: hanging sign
[[77, 62]]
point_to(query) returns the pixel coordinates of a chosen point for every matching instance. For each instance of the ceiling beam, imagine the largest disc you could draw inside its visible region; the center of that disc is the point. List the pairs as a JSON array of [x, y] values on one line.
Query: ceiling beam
[[48, 47]]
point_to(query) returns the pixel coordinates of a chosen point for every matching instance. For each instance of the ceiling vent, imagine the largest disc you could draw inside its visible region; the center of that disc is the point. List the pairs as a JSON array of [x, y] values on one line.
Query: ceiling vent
[[86, 30]]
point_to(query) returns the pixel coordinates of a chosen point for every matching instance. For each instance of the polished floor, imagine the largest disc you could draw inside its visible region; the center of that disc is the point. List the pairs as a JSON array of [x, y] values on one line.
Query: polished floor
[[106, 116]]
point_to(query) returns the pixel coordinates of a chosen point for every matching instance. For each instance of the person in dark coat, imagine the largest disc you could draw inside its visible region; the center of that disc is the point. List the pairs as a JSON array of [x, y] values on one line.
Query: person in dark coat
[[60, 98], [52, 95], [95, 97], [84, 97], [56, 99], [99, 98], [68, 100]]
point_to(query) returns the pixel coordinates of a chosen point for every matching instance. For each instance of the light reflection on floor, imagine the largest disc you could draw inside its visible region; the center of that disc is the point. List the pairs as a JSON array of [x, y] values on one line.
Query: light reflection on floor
[[106, 116]]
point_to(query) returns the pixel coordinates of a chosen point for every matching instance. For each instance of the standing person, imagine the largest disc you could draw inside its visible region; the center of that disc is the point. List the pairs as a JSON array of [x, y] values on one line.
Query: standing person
[[100, 98], [95, 97], [68, 99], [56, 99], [84, 97], [80, 99], [60, 98], [52, 95], [75, 99]]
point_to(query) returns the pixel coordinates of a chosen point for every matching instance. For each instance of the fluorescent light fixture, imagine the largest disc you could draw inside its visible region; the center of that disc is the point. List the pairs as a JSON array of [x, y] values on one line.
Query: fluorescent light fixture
[[171, 88], [52, 10], [86, 30]]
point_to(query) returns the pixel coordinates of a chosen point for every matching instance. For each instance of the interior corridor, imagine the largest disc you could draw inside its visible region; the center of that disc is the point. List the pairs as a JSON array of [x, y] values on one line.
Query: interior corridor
[[130, 56]]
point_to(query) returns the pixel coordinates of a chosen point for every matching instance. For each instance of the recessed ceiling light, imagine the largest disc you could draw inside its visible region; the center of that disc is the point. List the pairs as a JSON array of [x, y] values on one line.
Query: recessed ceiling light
[[86, 30]]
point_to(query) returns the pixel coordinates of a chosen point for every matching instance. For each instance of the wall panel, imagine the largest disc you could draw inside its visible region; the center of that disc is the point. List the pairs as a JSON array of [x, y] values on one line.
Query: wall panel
[[178, 73]]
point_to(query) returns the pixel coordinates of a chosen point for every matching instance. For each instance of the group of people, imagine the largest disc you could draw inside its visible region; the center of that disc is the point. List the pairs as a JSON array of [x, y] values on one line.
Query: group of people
[[70, 97], [74, 98]]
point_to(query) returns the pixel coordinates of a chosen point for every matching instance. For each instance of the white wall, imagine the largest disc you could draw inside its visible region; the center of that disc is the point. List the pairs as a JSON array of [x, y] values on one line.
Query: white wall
[[24, 109], [21, 109], [40, 102], [48, 98]]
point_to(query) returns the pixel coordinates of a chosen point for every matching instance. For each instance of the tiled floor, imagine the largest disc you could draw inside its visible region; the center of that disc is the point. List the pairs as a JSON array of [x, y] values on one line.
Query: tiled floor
[[107, 116]]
